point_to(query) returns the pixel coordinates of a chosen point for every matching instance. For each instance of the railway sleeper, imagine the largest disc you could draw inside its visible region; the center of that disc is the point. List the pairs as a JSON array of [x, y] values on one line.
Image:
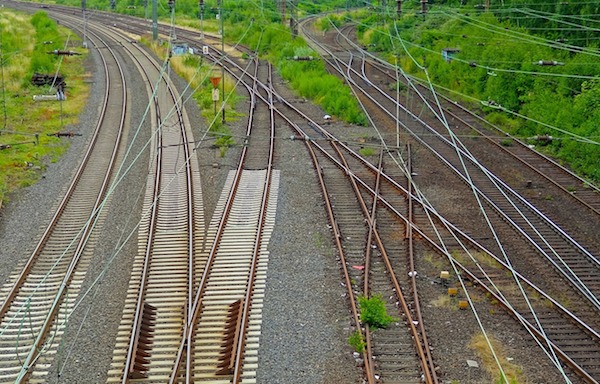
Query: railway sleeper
[[139, 369], [229, 343]]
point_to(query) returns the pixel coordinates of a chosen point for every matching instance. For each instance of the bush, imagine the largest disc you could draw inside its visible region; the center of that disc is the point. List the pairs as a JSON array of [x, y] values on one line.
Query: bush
[[356, 341], [373, 312]]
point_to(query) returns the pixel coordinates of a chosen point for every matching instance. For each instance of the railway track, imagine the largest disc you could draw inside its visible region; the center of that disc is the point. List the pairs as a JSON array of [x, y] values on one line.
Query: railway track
[[347, 70], [172, 293], [170, 239], [37, 301], [351, 234], [571, 259], [578, 189], [224, 323], [211, 310]]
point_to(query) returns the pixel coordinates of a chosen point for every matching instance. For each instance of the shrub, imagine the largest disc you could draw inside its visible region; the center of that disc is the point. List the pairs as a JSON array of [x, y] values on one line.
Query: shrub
[[356, 341], [373, 311]]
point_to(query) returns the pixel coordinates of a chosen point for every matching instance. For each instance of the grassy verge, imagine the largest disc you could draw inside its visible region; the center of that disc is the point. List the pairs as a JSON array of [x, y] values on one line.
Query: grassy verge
[[197, 73], [259, 26], [270, 38], [27, 126]]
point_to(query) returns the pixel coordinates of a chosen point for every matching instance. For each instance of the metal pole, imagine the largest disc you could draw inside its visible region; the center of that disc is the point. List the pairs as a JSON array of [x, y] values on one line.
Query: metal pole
[[201, 2], [154, 20], [83, 7], [223, 58], [397, 106]]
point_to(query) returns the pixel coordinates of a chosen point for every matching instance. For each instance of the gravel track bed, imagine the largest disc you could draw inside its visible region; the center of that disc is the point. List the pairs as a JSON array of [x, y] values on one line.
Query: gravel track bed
[[305, 318], [451, 330]]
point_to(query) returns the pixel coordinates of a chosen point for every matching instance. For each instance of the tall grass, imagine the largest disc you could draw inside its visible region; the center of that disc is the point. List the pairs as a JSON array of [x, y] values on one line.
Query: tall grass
[[25, 124]]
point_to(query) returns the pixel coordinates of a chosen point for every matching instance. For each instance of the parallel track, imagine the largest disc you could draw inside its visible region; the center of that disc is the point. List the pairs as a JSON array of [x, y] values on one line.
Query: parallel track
[[351, 235], [568, 332], [37, 302]]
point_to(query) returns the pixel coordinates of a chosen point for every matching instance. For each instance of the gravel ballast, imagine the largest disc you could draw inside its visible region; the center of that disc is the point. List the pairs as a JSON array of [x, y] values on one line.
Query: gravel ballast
[[306, 320]]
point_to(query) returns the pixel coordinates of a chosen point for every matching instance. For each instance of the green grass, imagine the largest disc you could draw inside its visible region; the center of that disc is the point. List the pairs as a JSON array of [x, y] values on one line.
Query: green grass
[[367, 151], [513, 373], [198, 73], [268, 36], [29, 123]]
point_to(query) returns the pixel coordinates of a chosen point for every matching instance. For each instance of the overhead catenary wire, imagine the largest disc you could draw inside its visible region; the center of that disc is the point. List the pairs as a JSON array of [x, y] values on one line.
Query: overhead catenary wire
[[434, 112], [95, 213], [487, 220], [407, 172], [497, 183], [546, 125], [101, 275], [520, 36], [578, 26]]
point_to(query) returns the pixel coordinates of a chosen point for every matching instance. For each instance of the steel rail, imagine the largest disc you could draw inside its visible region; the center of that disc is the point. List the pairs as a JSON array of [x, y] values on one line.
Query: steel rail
[[411, 258], [507, 188], [329, 208], [455, 229], [575, 179], [133, 343], [370, 378], [431, 129], [129, 370], [566, 274], [592, 333], [422, 350], [341, 254], [366, 288], [35, 351], [452, 228], [578, 369], [563, 310], [189, 326], [403, 190], [569, 276], [68, 194], [256, 253], [189, 202]]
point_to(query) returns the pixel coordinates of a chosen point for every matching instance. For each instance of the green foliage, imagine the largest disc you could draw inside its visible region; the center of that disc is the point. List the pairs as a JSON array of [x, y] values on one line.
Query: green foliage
[[494, 65], [265, 35], [373, 311], [329, 22], [356, 341], [45, 30], [309, 79], [224, 141]]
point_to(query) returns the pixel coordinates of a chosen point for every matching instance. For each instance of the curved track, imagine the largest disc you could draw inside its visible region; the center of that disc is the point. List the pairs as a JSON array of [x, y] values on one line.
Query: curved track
[[36, 304]]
